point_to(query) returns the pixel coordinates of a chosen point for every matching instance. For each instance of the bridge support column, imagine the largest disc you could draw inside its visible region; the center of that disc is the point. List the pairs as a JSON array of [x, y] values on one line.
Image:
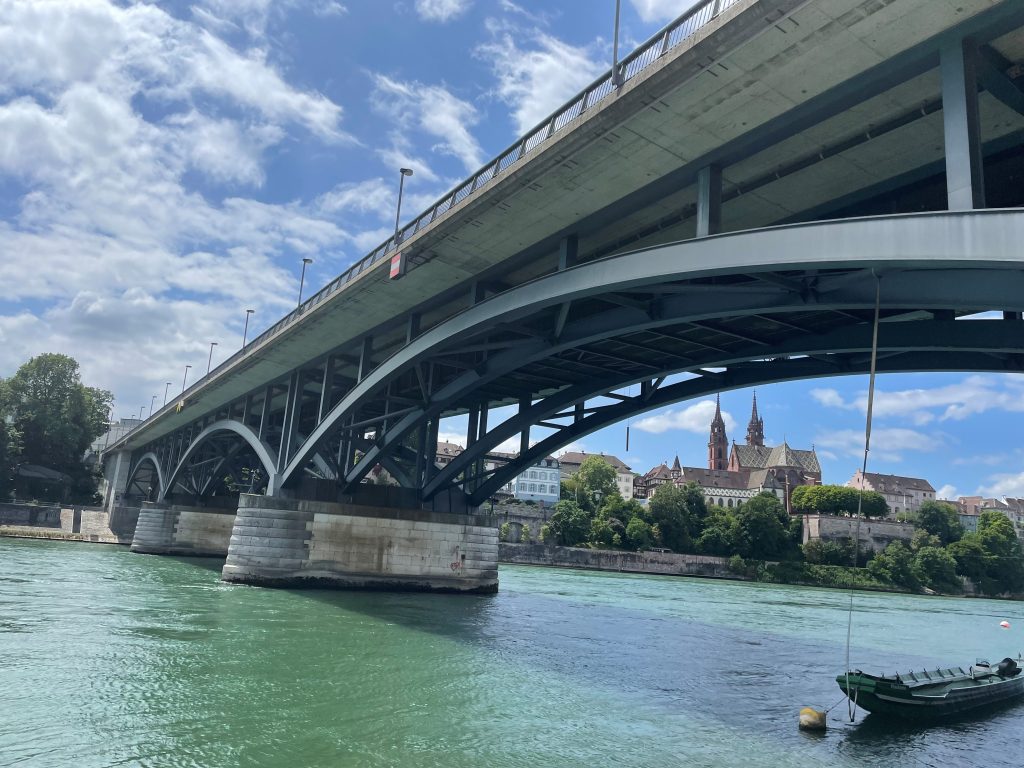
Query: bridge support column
[[293, 543], [965, 180], [181, 530], [709, 201], [115, 478]]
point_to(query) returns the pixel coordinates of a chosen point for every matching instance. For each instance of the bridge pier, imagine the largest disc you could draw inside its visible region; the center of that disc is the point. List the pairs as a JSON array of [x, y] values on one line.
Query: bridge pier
[[294, 543], [164, 529]]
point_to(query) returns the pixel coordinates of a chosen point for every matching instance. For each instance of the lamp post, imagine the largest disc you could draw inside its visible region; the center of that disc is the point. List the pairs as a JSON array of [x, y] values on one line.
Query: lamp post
[[248, 312], [185, 378], [152, 402], [401, 185], [209, 360], [616, 76], [168, 386], [142, 413], [302, 278]]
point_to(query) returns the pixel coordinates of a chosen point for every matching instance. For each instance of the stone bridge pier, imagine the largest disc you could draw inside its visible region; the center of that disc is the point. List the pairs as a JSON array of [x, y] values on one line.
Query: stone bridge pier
[[294, 543], [284, 542]]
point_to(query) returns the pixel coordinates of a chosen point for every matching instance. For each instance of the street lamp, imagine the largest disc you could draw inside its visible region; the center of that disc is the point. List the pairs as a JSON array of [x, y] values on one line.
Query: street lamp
[[142, 413], [245, 331], [165, 392], [398, 214], [209, 361], [302, 278], [185, 378], [616, 75], [152, 402]]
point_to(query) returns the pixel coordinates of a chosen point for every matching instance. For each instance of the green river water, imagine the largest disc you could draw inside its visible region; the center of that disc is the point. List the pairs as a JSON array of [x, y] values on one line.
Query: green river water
[[109, 659]]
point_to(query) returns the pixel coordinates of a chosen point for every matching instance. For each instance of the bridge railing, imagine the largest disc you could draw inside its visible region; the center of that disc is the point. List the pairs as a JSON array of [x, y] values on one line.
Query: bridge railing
[[629, 67]]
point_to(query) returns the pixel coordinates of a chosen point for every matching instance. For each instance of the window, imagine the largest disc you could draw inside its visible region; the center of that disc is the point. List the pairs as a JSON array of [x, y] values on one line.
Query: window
[[533, 475], [533, 487], [730, 503], [554, 489]]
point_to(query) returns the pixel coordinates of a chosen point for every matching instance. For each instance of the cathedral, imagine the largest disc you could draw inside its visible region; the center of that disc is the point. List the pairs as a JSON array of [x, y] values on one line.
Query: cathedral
[[741, 471]]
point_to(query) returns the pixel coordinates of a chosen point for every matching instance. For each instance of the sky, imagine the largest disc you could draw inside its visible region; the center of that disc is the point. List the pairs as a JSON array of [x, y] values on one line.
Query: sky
[[166, 166]]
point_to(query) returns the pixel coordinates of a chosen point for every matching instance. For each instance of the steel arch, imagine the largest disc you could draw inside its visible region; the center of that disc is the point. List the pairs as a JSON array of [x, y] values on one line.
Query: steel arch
[[266, 454], [151, 457], [930, 261]]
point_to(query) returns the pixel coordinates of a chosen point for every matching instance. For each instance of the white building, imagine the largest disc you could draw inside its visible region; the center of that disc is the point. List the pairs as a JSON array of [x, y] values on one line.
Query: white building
[[902, 494], [571, 460], [541, 482]]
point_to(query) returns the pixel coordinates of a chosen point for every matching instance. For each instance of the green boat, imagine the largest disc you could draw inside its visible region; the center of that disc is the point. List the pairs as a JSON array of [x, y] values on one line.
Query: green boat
[[935, 694]]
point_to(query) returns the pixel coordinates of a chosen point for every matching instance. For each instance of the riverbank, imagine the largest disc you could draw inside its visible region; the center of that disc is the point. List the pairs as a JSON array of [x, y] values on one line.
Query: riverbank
[[56, 534], [86, 524]]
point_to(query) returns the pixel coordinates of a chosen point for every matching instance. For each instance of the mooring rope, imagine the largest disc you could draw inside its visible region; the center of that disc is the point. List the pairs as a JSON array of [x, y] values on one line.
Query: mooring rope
[[852, 702]]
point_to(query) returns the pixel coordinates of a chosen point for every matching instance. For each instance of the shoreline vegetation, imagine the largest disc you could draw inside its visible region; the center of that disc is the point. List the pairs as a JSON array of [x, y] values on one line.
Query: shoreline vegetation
[[763, 542]]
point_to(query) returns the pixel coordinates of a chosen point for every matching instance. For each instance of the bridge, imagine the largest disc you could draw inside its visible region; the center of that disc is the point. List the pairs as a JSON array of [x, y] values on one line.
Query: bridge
[[722, 210]]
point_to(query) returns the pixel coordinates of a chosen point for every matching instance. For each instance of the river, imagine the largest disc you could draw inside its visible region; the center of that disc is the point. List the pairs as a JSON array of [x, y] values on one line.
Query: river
[[111, 659]]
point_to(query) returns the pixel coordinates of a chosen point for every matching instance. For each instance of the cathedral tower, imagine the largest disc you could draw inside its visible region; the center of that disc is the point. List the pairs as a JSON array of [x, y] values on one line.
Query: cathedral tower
[[755, 429], [718, 443]]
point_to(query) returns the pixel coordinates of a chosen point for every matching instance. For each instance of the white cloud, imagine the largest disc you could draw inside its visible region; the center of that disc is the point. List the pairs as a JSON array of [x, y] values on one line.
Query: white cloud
[[953, 402], [441, 10], [536, 77], [433, 110], [325, 8], [990, 459], [371, 196], [694, 418], [662, 10], [946, 492], [1008, 484], [886, 444]]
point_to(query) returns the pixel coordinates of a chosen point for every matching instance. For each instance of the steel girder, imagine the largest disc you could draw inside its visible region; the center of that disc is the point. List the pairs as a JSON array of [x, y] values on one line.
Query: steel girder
[[947, 262]]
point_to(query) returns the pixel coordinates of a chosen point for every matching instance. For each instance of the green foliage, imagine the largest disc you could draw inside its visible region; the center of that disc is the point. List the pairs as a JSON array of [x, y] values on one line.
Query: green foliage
[[503, 532], [569, 525], [835, 576], [546, 536], [668, 510], [10, 445], [837, 500], [51, 418], [762, 528], [524, 534], [718, 534], [895, 565], [936, 568], [638, 534], [839, 552], [940, 519], [970, 556], [1004, 560], [922, 539]]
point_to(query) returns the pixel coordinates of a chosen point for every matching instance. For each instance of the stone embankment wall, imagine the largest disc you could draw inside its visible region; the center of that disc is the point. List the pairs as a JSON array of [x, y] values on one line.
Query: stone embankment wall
[[665, 563], [286, 542], [68, 523], [182, 530], [874, 534], [520, 517]]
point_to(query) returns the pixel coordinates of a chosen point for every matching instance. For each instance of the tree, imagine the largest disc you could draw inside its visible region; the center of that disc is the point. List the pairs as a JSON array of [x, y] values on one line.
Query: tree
[[57, 417], [936, 568], [895, 564], [719, 533], [1004, 559], [837, 500], [940, 519], [10, 446], [596, 479], [969, 554], [569, 525], [638, 534], [761, 529], [669, 512]]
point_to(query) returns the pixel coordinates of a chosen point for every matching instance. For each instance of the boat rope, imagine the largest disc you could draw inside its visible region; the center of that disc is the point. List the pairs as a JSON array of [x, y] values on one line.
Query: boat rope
[[852, 702]]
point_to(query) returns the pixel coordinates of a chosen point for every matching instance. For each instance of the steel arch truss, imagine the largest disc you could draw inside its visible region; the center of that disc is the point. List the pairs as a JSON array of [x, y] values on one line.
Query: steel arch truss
[[728, 311]]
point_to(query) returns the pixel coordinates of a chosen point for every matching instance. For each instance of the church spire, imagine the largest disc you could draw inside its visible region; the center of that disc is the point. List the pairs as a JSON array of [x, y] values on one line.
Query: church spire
[[755, 429], [718, 442]]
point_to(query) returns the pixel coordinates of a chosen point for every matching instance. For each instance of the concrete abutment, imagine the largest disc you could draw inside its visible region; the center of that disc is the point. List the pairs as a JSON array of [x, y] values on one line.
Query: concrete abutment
[[182, 530], [294, 543]]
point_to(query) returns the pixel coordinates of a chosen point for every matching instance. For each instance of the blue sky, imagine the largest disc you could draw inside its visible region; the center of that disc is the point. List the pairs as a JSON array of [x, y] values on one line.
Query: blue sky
[[165, 166]]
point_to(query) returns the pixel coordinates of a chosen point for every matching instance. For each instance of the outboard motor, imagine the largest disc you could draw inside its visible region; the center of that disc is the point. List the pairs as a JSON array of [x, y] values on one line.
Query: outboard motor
[[1007, 668]]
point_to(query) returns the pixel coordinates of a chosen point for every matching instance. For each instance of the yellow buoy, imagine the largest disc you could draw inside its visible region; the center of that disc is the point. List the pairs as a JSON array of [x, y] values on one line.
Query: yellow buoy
[[812, 720]]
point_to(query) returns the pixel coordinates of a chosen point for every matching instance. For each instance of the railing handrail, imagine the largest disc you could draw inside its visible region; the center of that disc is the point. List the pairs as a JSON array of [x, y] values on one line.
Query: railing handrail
[[629, 67]]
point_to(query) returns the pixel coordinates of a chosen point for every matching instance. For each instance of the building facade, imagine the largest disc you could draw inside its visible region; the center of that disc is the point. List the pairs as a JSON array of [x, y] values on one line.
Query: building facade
[[737, 475], [570, 462], [902, 494]]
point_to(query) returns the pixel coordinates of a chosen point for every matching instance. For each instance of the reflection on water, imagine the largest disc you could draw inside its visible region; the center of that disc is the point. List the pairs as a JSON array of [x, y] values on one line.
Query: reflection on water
[[112, 658]]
